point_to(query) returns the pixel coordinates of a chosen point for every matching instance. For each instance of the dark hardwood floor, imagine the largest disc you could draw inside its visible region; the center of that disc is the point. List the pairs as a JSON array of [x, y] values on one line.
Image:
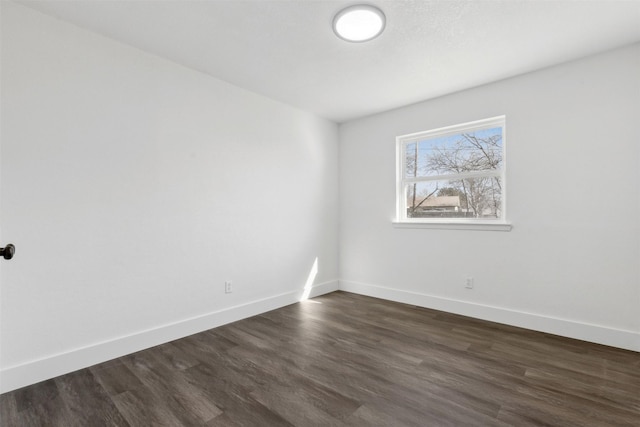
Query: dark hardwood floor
[[346, 360]]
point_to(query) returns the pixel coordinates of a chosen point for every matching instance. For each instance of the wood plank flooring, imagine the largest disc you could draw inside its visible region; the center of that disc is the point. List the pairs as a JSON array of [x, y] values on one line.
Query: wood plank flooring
[[346, 360]]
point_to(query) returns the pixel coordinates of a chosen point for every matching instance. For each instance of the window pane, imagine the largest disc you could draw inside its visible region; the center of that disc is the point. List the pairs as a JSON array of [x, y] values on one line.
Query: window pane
[[410, 156], [464, 152], [467, 198]]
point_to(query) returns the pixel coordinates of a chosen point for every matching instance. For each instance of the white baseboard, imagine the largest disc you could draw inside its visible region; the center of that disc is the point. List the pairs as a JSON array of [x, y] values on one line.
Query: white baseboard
[[14, 377], [628, 340]]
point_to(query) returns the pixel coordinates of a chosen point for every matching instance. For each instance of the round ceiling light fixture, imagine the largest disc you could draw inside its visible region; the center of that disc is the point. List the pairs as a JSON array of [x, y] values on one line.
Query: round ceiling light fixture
[[359, 23]]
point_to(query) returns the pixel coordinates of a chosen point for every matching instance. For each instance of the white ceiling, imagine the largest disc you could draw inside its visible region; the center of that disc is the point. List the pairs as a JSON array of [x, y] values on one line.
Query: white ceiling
[[286, 50]]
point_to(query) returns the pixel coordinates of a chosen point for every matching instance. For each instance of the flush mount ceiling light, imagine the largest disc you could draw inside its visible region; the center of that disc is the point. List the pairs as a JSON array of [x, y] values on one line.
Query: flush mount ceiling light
[[359, 23]]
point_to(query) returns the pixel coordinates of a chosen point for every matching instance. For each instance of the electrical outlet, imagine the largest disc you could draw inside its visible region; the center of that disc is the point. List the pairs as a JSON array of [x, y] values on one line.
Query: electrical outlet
[[228, 287], [469, 283]]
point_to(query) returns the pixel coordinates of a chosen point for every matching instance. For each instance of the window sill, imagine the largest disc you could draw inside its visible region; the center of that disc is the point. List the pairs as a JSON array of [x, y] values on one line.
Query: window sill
[[479, 226]]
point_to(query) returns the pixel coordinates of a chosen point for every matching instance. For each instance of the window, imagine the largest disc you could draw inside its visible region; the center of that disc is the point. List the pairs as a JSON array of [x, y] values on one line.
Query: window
[[453, 175]]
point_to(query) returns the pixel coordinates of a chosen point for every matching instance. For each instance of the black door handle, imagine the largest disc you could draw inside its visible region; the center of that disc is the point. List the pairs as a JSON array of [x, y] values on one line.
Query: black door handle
[[8, 251]]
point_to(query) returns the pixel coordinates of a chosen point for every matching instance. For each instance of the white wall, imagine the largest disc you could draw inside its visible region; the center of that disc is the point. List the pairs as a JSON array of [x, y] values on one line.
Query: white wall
[[571, 264], [133, 188]]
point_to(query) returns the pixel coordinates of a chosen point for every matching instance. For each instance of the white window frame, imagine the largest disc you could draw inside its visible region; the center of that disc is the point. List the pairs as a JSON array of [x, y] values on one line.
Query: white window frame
[[402, 221]]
